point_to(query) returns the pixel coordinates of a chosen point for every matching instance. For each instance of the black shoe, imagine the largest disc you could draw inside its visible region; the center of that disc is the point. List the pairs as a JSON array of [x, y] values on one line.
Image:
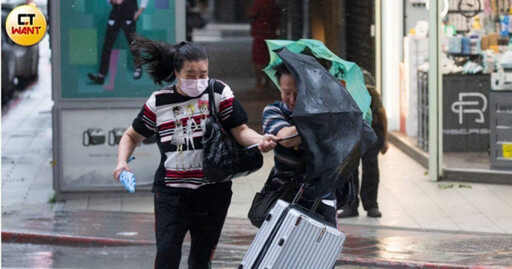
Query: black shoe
[[96, 78], [348, 213], [374, 212], [137, 73]]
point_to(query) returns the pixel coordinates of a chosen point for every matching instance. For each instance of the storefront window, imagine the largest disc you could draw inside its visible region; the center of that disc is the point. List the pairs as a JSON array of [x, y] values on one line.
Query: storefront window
[[477, 123], [473, 115]]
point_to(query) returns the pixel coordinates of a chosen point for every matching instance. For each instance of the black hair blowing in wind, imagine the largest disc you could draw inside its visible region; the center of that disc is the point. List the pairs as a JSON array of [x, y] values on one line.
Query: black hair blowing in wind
[[162, 58]]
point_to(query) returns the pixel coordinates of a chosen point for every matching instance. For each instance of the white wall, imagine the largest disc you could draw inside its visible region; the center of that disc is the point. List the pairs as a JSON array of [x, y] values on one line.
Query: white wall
[[392, 51]]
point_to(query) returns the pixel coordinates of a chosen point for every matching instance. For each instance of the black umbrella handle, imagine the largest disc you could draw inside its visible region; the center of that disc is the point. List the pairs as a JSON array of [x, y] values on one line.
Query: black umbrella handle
[[299, 193], [278, 141]]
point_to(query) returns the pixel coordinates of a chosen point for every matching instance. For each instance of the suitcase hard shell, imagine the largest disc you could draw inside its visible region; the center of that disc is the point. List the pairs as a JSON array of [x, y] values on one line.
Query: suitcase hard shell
[[291, 237]]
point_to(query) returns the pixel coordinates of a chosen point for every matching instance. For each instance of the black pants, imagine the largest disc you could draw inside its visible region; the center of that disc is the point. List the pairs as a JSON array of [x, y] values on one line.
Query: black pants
[[326, 211], [202, 212], [110, 39], [370, 178]]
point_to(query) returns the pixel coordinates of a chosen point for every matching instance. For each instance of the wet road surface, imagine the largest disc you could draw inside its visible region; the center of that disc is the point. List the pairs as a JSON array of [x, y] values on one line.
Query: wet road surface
[[96, 236]]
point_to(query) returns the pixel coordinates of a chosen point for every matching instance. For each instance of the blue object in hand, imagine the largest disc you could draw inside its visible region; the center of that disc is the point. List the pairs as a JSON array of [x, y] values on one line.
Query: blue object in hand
[[127, 178]]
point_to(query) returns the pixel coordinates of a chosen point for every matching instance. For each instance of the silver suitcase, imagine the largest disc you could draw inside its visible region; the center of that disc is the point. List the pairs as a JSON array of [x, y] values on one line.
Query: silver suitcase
[[292, 237]]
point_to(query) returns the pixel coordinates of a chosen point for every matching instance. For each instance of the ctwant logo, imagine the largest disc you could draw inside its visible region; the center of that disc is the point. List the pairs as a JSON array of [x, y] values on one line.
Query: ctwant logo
[[26, 25]]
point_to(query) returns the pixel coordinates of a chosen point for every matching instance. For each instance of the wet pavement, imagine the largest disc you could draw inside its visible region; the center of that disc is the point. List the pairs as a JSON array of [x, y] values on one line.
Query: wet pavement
[[99, 236]]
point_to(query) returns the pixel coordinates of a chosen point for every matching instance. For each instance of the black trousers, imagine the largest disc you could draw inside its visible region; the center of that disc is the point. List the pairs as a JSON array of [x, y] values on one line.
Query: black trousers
[[202, 212], [326, 211], [370, 179], [110, 39]]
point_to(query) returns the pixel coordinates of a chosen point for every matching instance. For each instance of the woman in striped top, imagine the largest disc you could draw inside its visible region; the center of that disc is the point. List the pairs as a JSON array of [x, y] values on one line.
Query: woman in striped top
[[184, 200]]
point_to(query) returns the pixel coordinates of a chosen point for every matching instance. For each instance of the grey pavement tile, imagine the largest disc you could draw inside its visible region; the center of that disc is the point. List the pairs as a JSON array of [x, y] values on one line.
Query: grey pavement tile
[[437, 222], [504, 192], [451, 202], [477, 223], [13, 196], [37, 196], [486, 201], [256, 185], [242, 192], [504, 223], [77, 203], [16, 142], [238, 210], [399, 221], [429, 218], [105, 204], [140, 204]]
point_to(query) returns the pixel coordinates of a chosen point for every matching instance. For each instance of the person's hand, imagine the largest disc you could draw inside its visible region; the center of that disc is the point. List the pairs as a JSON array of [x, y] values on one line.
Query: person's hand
[[268, 143], [385, 147], [137, 14], [120, 168]]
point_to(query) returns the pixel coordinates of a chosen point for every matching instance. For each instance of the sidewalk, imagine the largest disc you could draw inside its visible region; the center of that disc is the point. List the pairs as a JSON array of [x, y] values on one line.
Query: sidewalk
[[424, 224]]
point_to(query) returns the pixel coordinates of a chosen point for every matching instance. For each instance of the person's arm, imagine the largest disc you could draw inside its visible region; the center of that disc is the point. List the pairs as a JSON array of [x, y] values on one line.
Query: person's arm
[[275, 122], [142, 6], [384, 118], [286, 132], [129, 141], [246, 136]]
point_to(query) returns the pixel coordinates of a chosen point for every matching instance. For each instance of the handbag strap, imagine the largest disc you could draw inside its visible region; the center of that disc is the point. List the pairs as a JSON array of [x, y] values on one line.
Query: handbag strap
[[211, 101]]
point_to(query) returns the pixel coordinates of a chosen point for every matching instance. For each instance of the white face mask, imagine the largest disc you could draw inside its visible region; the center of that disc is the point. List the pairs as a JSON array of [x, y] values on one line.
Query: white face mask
[[193, 87]]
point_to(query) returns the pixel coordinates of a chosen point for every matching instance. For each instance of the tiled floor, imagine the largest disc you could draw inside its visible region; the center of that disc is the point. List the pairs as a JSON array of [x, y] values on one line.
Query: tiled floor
[[407, 199]]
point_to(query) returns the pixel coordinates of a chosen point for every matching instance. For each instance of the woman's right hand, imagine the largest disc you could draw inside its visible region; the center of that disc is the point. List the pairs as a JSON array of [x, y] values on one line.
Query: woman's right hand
[[120, 168]]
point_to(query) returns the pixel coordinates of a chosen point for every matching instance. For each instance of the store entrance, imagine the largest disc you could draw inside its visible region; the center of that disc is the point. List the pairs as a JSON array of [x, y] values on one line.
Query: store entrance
[[475, 99], [477, 128]]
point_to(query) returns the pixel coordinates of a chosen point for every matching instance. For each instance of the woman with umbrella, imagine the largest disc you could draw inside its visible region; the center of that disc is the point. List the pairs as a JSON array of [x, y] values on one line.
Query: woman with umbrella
[[289, 154], [330, 122]]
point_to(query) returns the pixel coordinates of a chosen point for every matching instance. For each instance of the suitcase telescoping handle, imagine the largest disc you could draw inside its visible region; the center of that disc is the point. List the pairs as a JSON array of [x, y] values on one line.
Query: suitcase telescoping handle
[[299, 195]]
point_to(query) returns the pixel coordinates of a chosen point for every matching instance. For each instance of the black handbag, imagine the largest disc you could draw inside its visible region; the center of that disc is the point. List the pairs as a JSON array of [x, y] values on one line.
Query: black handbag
[[264, 200], [223, 158]]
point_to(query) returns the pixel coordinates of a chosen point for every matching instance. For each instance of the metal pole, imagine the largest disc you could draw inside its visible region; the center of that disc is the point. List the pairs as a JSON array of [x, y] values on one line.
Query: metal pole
[[378, 45], [435, 149], [305, 19], [180, 21]]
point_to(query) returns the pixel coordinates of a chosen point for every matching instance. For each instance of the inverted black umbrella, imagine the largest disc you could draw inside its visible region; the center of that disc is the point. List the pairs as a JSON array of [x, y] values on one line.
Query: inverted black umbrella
[[329, 122]]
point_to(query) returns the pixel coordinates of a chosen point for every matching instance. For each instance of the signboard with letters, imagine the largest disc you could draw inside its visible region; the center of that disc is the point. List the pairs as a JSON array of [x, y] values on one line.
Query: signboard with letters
[[466, 124]]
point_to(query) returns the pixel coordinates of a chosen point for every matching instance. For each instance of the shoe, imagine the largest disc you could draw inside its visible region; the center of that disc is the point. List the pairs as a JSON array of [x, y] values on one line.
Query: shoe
[[348, 213], [374, 212], [137, 73], [96, 78]]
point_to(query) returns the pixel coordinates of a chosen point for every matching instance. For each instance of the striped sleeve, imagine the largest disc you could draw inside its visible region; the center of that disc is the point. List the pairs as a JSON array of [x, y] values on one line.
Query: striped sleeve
[[231, 112], [225, 103], [274, 120], [145, 122]]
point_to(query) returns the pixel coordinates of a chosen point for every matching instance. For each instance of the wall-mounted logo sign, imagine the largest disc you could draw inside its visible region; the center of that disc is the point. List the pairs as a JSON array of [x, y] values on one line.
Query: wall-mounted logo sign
[[25, 25], [470, 103]]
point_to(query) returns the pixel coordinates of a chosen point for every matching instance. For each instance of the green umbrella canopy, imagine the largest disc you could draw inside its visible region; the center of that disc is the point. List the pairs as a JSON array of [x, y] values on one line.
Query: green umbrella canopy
[[343, 70]]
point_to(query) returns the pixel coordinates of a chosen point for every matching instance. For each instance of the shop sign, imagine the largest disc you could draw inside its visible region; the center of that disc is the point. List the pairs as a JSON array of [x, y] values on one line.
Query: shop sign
[[477, 104]]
